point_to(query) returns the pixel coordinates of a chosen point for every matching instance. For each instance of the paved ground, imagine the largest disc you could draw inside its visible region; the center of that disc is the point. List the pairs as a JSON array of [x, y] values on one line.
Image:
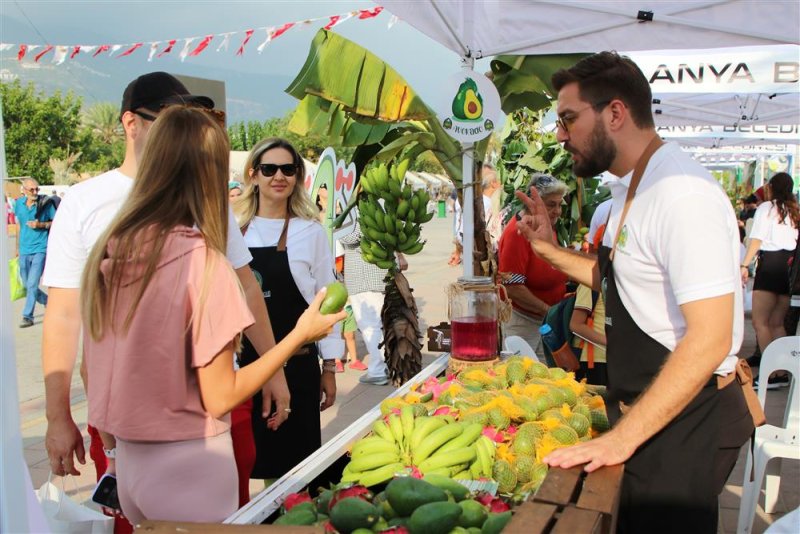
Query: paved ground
[[429, 275]]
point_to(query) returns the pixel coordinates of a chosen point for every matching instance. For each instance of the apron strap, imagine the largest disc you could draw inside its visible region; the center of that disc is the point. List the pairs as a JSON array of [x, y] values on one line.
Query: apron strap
[[638, 171], [284, 233]]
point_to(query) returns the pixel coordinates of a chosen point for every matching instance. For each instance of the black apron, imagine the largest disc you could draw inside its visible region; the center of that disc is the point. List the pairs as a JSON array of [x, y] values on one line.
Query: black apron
[[278, 451], [668, 485]]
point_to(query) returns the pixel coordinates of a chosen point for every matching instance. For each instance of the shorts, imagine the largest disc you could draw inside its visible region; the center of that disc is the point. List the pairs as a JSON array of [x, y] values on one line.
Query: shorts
[[349, 323], [772, 273]]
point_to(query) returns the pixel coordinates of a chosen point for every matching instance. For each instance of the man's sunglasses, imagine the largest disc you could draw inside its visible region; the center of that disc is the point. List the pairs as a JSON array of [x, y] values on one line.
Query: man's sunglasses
[[270, 169], [216, 114]]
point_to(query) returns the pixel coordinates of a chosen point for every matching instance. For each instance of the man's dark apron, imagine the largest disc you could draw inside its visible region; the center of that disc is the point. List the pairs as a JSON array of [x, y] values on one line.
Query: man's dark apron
[[279, 450], [669, 481]]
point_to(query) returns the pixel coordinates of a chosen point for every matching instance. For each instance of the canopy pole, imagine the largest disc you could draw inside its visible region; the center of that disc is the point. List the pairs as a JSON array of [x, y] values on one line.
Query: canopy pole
[[467, 208]]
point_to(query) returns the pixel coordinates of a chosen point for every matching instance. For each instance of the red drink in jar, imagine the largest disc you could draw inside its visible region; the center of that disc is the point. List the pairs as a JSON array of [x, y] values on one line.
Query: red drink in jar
[[474, 338]]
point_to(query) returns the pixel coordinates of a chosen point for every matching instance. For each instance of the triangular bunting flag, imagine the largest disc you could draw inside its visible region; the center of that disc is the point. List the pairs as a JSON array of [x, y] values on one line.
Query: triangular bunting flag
[[130, 50], [369, 13], [185, 52], [75, 51], [101, 49], [226, 40], [43, 52], [283, 29], [168, 49], [60, 55], [247, 36], [21, 52], [202, 46]]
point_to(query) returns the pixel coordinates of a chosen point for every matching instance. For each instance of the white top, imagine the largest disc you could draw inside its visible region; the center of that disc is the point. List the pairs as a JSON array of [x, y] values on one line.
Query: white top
[[599, 217], [310, 261], [773, 233], [85, 213], [680, 244], [458, 221]]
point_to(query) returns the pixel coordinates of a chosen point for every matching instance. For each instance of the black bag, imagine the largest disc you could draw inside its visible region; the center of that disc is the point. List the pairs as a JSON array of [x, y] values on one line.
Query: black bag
[[42, 201]]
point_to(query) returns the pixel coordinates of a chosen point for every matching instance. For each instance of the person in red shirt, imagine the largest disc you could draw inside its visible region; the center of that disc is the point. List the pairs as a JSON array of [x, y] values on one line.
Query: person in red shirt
[[532, 284]]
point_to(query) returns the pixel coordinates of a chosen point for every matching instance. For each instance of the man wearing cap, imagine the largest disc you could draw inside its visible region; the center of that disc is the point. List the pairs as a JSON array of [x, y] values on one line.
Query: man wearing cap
[[85, 213]]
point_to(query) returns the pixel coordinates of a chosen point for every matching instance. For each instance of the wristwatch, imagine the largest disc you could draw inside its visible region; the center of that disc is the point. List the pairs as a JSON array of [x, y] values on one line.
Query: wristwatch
[[111, 454]]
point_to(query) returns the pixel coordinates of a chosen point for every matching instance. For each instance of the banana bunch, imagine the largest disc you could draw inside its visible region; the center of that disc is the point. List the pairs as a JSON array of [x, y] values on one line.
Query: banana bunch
[[484, 462], [432, 444], [393, 225]]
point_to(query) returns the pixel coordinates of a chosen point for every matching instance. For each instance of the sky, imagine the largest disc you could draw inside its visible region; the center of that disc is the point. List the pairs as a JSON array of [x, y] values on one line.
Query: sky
[[254, 82]]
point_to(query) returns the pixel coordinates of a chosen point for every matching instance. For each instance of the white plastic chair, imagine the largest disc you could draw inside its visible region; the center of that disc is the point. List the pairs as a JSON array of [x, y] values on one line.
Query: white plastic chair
[[771, 441], [517, 345]]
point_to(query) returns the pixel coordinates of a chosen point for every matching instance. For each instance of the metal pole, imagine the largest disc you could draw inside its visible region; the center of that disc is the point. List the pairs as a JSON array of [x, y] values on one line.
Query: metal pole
[[467, 209]]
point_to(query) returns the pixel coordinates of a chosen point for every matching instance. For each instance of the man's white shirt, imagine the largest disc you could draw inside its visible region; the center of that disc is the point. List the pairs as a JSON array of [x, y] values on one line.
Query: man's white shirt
[[86, 212], [679, 244]]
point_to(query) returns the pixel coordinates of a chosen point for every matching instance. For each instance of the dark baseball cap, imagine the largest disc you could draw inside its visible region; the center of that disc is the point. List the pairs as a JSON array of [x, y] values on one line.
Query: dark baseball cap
[[157, 89]]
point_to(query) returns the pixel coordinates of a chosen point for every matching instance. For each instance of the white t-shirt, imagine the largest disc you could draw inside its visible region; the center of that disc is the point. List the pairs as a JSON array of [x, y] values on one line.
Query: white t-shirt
[[310, 262], [459, 218], [600, 217], [773, 233], [85, 213], [679, 244]]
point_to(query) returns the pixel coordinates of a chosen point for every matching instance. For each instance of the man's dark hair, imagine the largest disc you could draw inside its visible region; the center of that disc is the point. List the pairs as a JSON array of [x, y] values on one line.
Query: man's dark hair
[[607, 76]]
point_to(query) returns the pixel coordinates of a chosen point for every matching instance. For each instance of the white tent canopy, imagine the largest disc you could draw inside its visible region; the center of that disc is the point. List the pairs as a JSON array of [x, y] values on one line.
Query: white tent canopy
[[476, 29], [724, 86], [481, 29]]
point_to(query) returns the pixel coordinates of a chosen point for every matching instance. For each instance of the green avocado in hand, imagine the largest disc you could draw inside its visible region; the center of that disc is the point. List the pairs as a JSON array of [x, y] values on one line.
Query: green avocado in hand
[[335, 298]]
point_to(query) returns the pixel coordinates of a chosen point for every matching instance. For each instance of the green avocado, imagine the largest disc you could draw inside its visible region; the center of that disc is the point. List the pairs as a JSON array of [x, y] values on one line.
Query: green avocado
[[335, 299]]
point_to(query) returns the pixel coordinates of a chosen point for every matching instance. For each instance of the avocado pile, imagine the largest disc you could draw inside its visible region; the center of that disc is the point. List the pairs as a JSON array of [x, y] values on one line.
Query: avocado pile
[[433, 505]]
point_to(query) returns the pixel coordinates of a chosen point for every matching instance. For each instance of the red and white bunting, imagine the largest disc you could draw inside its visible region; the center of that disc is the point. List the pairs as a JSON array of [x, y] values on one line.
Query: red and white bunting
[[63, 52]]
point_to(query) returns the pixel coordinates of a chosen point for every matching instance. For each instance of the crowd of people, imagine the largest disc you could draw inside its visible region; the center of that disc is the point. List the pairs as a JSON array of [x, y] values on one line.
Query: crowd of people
[[161, 265]]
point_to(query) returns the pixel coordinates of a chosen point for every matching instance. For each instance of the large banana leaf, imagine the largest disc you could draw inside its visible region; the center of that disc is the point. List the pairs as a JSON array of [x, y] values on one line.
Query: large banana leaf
[[524, 81], [343, 72]]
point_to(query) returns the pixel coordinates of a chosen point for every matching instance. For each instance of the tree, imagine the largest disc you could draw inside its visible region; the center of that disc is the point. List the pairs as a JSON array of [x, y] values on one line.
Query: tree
[[38, 128], [103, 120]]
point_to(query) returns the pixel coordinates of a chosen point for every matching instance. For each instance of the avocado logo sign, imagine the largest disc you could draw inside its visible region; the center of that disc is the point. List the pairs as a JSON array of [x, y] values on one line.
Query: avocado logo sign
[[470, 107]]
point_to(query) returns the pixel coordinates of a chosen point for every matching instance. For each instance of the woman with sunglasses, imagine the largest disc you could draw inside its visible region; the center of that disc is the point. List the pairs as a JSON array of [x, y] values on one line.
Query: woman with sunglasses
[[163, 313], [292, 259]]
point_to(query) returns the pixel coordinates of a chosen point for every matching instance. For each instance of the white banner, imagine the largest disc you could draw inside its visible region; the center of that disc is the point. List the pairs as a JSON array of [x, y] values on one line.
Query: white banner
[[777, 132], [755, 69]]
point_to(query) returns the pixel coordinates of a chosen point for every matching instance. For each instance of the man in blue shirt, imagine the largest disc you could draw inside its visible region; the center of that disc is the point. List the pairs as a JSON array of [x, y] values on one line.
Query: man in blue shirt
[[34, 229]]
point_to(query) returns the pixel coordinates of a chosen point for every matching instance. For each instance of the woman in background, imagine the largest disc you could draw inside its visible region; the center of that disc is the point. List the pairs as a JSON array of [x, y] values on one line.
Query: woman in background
[[292, 259], [773, 238]]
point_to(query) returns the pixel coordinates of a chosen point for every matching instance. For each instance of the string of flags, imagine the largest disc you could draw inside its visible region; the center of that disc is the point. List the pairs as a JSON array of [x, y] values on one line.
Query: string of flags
[[191, 46]]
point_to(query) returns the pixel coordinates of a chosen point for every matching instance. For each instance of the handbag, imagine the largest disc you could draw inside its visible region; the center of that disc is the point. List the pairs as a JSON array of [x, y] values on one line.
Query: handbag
[[15, 284], [65, 515]]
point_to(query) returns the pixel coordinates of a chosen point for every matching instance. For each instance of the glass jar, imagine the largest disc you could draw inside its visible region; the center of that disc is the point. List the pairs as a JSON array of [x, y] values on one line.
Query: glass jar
[[473, 319]]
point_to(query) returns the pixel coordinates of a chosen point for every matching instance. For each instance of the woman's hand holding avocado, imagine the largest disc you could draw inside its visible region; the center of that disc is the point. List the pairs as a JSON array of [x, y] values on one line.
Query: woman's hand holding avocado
[[315, 324]]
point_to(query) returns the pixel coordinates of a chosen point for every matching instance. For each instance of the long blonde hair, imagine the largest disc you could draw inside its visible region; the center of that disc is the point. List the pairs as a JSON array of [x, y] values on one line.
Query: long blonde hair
[[245, 206], [181, 180]]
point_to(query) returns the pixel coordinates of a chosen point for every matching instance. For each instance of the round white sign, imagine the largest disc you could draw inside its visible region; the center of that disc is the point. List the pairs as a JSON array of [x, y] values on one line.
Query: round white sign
[[469, 109]]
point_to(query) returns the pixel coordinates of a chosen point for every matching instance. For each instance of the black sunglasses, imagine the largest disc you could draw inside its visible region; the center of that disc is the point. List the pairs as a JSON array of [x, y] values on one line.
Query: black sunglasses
[[270, 169], [217, 114]]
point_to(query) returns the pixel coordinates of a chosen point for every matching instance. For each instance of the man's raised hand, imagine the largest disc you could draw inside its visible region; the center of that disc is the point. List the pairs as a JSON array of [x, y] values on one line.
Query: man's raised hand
[[534, 223]]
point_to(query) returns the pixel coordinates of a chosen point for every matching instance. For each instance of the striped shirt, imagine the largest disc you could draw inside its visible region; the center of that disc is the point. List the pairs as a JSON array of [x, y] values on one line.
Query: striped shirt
[[360, 276]]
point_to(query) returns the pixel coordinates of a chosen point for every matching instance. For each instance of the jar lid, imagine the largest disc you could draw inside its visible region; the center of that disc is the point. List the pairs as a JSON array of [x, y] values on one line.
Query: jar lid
[[475, 280]]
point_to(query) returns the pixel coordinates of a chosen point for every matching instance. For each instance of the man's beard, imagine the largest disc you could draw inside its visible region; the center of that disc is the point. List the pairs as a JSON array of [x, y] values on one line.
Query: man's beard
[[598, 156]]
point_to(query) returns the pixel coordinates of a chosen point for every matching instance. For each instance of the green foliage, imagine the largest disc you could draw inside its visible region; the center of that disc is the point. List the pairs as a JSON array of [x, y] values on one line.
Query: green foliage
[[527, 150], [352, 98], [38, 128], [244, 135], [427, 162]]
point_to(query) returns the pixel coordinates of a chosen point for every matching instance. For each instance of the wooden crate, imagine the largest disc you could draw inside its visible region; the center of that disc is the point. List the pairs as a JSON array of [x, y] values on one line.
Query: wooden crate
[[171, 527], [571, 501]]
